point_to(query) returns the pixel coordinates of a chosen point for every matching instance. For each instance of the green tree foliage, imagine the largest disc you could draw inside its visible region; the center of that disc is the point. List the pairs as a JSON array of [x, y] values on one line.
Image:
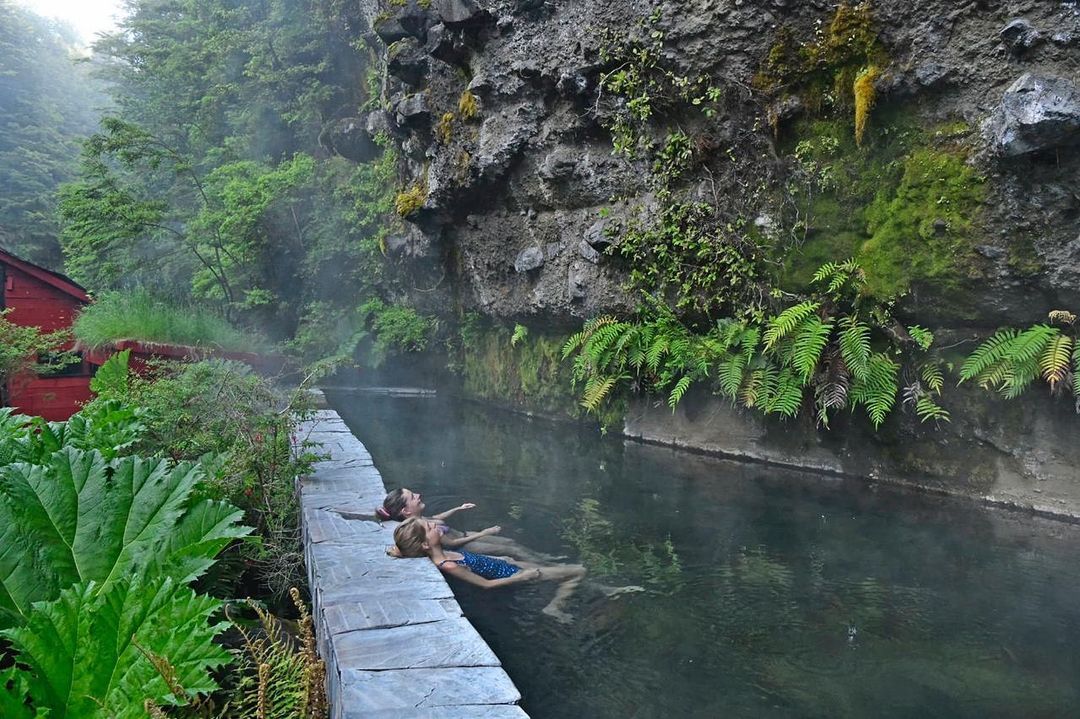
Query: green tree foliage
[[214, 181], [47, 103]]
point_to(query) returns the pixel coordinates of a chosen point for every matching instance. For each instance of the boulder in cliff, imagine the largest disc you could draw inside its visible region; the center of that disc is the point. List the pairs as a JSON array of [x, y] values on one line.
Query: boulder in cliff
[[457, 13], [349, 137], [1036, 113], [529, 259]]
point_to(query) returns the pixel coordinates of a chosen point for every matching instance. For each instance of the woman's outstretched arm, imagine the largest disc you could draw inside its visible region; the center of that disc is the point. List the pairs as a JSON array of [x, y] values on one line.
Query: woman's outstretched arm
[[466, 537], [450, 512]]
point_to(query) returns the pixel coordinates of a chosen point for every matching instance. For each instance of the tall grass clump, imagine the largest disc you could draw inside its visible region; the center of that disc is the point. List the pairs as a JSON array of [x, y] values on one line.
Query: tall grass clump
[[137, 315]]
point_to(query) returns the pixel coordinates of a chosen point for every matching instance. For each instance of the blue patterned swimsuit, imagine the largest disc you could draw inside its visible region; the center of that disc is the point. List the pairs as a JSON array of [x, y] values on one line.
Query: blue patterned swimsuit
[[485, 566]]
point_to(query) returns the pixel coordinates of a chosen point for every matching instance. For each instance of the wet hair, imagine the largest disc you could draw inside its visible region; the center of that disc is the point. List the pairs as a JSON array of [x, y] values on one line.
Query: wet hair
[[410, 536], [393, 506]]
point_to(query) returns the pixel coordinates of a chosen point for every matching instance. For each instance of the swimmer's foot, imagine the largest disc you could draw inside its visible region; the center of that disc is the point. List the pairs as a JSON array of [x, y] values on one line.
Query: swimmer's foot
[[611, 592], [558, 614]]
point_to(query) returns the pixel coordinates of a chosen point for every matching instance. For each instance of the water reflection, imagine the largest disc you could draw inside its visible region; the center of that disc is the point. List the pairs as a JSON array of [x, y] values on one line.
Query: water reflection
[[769, 593]]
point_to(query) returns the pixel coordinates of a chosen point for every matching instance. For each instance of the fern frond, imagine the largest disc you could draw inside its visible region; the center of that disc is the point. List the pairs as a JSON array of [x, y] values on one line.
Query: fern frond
[[783, 324], [855, 345], [786, 396], [656, 351], [877, 391], [933, 376], [730, 375], [1030, 343], [596, 389], [1056, 359], [578, 339], [806, 350], [678, 391], [922, 336], [758, 386], [987, 354], [927, 410]]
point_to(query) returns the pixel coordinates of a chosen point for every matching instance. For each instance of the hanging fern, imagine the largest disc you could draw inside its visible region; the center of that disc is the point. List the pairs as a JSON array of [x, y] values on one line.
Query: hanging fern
[[855, 345], [783, 324], [806, 349], [1056, 360], [988, 354], [877, 391], [678, 391], [922, 336], [834, 275]]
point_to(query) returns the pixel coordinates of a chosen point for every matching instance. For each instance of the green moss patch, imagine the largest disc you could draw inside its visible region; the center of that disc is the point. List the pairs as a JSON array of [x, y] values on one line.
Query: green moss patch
[[922, 230]]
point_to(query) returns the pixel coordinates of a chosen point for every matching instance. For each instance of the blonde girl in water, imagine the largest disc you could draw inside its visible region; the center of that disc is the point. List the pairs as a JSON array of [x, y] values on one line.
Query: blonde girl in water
[[402, 504], [418, 537]]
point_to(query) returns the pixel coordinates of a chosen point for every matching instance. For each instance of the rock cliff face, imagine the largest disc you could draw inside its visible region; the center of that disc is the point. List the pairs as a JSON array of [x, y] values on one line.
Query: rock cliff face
[[972, 147], [498, 109]]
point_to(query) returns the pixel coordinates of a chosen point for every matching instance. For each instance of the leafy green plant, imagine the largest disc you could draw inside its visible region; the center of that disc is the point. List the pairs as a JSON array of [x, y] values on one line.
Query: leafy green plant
[[80, 519], [243, 431], [21, 345], [1012, 359], [83, 654], [830, 347], [520, 333]]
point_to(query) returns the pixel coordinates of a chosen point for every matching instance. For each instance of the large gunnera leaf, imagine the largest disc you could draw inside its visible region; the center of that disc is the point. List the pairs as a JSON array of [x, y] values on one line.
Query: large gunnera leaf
[[82, 519], [81, 657]]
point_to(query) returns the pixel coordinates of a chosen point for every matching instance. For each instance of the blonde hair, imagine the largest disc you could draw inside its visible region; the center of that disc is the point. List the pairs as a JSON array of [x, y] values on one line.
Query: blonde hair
[[410, 537]]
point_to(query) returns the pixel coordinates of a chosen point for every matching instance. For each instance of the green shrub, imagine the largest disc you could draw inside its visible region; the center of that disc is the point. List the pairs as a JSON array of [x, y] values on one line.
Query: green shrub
[[244, 432], [140, 316]]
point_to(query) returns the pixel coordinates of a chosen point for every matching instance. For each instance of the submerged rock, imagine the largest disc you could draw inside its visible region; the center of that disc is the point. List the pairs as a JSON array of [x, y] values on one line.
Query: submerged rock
[[1036, 113]]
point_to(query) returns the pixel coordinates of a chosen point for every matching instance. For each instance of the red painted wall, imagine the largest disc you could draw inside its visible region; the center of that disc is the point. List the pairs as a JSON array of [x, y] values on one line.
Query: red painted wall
[[34, 302]]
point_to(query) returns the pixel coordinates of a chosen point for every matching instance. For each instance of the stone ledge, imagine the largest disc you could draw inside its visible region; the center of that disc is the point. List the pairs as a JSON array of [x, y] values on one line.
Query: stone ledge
[[393, 636]]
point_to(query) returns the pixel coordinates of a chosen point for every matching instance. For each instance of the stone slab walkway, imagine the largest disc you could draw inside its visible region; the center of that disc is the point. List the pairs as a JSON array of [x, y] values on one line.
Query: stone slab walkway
[[394, 638]]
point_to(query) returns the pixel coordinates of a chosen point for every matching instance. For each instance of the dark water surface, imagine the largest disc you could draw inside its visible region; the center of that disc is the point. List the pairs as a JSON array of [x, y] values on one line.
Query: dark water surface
[[770, 593]]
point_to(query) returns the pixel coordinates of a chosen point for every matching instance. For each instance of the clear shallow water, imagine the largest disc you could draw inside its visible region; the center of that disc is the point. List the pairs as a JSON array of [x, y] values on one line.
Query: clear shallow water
[[771, 593]]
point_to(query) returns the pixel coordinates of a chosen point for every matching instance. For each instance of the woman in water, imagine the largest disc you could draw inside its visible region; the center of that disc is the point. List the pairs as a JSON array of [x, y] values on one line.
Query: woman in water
[[402, 504], [418, 537]]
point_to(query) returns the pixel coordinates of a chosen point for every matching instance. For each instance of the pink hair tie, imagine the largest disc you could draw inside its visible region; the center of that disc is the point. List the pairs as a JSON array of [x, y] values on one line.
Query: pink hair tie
[[381, 511]]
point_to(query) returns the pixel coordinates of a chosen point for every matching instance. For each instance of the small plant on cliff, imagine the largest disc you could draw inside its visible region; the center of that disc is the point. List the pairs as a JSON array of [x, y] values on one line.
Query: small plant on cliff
[[864, 100], [409, 201], [468, 107], [1012, 359], [444, 129]]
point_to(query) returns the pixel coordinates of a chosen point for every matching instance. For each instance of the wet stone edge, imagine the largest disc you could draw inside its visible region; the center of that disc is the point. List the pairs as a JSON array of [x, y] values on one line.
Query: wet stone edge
[[395, 641]]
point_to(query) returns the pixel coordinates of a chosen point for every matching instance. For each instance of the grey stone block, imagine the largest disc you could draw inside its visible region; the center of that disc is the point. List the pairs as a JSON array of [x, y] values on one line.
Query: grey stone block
[[384, 611], [492, 711], [449, 643], [411, 689]]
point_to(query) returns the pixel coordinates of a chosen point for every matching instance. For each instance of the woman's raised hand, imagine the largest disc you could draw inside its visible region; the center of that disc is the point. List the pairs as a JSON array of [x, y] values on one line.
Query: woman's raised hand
[[467, 505]]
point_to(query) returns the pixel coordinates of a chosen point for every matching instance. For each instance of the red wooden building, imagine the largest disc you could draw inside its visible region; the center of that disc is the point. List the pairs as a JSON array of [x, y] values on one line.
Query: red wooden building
[[50, 301]]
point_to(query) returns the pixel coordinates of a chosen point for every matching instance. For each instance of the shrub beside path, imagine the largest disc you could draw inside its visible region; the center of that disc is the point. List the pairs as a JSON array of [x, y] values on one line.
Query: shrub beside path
[[395, 641]]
